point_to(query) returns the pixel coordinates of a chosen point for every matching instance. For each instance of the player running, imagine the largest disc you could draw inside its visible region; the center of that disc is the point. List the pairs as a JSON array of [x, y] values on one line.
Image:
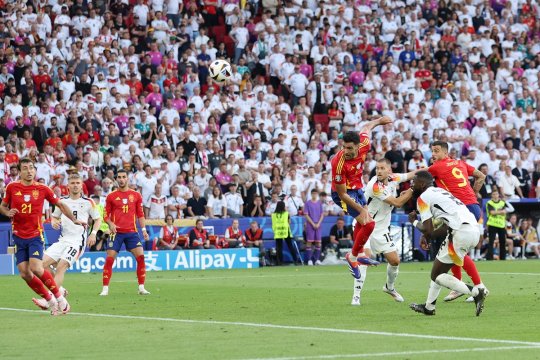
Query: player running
[[347, 170], [462, 233], [23, 203], [381, 194], [122, 208], [74, 238], [453, 176]]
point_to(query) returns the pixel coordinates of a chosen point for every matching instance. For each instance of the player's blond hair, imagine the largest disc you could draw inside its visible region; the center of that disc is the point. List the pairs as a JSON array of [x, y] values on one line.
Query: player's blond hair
[[74, 176]]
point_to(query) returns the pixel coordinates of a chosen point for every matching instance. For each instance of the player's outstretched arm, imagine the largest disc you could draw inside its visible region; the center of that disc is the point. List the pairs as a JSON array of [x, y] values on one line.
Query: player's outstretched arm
[[401, 200], [383, 120], [425, 227]]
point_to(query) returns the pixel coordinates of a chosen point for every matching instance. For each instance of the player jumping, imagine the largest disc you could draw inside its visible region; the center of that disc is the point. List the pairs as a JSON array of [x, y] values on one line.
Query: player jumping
[[462, 233], [23, 203], [73, 239], [381, 194], [347, 170], [453, 176]]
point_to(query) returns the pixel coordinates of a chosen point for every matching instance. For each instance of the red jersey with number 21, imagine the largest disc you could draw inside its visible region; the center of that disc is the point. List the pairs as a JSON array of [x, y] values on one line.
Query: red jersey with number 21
[[123, 208], [349, 172], [453, 176], [29, 200]]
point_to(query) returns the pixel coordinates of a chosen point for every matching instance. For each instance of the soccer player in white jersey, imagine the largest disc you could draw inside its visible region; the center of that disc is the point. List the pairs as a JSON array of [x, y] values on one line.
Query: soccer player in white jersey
[[381, 195], [462, 234], [73, 238]]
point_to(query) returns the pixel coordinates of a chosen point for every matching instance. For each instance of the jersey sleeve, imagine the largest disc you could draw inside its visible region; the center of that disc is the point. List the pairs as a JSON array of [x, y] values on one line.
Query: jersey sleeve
[[56, 213], [399, 178], [338, 169], [108, 208], [433, 170], [94, 211], [139, 206], [469, 167], [380, 192], [50, 196], [423, 208]]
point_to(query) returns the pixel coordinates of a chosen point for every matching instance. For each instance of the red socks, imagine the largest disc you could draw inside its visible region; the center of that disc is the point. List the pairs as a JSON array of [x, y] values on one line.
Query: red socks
[[470, 269], [456, 271], [107, 270], [37, 285], [48, 281], [361, 235], [141, 269]]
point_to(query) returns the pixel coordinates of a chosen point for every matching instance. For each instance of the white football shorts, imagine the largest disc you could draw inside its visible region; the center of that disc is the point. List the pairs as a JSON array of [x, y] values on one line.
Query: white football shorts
[[462, 240], [62, 250]]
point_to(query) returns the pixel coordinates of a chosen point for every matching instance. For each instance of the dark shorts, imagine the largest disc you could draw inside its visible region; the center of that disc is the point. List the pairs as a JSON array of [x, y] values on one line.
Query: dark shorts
[[131, 240], [476, 211], [356, 195], [28, 248]]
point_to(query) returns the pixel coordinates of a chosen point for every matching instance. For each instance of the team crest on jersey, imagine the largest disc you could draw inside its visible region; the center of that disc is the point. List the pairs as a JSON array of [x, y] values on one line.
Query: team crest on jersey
[[35, 194], [124, 201], [131, 198], [26, 198]]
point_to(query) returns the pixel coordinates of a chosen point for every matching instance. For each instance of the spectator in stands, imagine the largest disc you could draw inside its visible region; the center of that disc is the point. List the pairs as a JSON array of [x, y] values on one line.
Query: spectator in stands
[[196, 205], [340, 236], [513, 234], [531, 237], [217, 204], [489, 183], [523, 177], [234, 236], [176, 205], [282, 232], [168, 235], [314, 215], [509, 184], [294, 202], [256, 208], [235, 204], [198, 237], [156, 206]]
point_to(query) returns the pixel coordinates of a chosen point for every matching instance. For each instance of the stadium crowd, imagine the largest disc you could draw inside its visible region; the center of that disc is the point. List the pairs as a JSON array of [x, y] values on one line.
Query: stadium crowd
[[97, 86]]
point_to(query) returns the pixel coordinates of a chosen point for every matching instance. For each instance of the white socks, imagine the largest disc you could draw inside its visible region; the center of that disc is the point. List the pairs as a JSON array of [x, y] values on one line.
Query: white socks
[[452, 283], [141, 287], [433, 294], [391, 275], [359, 283]]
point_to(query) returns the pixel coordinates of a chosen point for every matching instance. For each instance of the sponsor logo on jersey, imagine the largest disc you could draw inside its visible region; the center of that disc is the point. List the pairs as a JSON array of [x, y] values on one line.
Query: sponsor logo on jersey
[[117, 199], [26, 198], [18, 193]]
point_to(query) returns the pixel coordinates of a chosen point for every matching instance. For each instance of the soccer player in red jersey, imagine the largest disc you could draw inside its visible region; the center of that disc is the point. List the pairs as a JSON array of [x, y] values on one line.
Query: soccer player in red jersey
[[453, 176], [347, 170], [122, 208], [23, 203]]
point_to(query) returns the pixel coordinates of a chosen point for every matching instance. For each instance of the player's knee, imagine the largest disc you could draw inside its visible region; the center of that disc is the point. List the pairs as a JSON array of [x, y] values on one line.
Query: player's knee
[[26, 274], [36, 269], [62, 265], [393, 261]]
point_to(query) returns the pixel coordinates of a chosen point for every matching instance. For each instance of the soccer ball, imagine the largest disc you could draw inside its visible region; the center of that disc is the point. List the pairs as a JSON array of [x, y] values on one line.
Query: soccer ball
[[220, 70]]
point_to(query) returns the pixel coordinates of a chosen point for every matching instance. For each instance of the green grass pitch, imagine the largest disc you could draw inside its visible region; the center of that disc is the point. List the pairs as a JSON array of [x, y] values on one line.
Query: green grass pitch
[[275, 313]]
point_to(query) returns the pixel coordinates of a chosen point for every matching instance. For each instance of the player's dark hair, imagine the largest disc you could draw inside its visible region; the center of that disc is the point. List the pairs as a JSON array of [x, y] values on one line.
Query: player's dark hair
[[351, 136], [25, 160], [442, 144], [425, 177], [123, 171], [385, 160]]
